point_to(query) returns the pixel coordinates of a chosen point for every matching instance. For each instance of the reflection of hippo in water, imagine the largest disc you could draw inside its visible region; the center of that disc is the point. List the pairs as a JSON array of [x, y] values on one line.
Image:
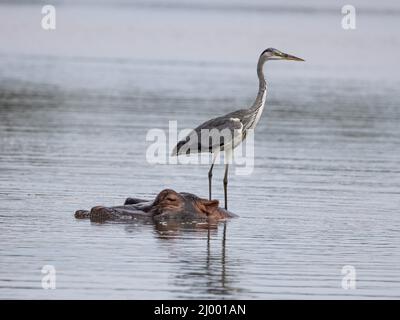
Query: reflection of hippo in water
[[167, 205]]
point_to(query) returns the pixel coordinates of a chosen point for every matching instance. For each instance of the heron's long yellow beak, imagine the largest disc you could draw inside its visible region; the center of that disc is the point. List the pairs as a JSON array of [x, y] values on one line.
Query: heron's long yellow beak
[[286, 56]]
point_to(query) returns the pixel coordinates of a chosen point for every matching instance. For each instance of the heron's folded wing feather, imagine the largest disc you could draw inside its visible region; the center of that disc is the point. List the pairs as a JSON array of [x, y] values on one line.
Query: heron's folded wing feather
[[210, 136]]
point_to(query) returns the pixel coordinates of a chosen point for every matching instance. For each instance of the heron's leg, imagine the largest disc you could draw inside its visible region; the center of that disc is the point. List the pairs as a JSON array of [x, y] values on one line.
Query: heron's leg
[[210, 176], [226, 186]]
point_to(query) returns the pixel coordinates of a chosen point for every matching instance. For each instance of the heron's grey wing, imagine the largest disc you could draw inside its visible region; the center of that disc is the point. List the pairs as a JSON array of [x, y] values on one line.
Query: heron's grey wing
[[210, 136]]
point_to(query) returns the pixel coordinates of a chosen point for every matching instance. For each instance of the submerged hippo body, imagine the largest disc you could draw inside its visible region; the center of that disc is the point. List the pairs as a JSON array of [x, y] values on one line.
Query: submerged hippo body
[[167, 205]]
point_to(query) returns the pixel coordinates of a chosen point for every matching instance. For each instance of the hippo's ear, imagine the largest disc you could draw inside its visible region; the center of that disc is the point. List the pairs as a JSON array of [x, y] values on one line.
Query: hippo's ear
[[210, 203]]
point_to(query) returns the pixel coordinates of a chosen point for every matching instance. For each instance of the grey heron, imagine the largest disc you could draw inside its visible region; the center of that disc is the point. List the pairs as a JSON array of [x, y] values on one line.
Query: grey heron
[[237, 123]]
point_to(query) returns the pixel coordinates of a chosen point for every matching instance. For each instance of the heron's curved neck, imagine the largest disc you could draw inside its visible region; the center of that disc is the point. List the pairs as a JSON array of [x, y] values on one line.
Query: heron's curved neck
[[260, 99], [260, 74]]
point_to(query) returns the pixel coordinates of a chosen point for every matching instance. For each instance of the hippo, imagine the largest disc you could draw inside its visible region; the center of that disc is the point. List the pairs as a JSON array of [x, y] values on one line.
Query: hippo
[[168, 205]]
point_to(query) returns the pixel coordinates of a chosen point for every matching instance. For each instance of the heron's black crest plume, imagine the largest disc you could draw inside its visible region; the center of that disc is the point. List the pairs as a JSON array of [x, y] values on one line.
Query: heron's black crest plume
[[268, 50]]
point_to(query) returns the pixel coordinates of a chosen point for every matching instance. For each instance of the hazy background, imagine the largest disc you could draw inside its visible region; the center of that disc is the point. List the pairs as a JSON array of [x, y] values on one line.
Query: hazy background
[[76, 104]]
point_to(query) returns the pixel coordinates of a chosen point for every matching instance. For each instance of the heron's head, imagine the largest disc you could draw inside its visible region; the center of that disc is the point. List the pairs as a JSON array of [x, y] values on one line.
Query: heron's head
[[275, 54]]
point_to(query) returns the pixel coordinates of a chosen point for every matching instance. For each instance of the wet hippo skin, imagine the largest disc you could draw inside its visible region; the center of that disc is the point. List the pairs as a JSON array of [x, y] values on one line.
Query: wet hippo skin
[[168, 204]]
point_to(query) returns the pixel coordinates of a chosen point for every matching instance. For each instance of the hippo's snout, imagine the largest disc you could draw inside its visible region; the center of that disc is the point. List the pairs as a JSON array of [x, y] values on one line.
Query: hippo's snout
[[102, 213], [82, 214]]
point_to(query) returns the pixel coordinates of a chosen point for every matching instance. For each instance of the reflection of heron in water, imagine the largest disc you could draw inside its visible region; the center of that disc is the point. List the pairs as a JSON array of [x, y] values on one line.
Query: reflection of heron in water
[[237, 123], [222, 254], [199, 274], [209, 277]]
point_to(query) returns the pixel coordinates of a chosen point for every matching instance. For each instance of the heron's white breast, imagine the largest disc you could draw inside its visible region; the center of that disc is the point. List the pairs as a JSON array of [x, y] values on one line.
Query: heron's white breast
[[260, 110], [238, 134]]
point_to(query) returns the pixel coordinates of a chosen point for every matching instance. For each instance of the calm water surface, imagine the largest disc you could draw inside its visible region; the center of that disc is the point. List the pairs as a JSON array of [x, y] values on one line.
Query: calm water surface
[[325, 191]]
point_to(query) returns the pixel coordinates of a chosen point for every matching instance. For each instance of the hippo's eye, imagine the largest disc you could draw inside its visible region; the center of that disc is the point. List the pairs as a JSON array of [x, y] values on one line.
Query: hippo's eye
[[171, 198]]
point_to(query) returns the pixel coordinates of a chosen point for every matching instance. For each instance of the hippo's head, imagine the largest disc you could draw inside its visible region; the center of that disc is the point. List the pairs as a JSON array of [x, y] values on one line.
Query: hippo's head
[[168, 204], [171, 204]]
